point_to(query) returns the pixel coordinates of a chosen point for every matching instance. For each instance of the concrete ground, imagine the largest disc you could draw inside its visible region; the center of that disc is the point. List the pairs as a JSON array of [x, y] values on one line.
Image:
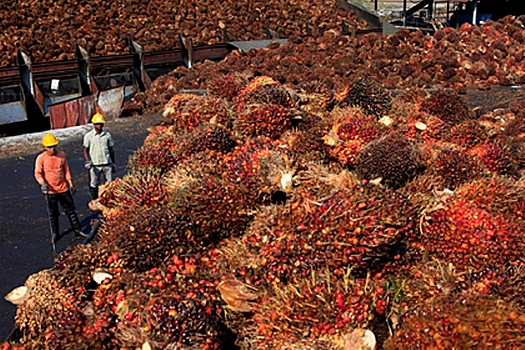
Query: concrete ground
[[24, 229]]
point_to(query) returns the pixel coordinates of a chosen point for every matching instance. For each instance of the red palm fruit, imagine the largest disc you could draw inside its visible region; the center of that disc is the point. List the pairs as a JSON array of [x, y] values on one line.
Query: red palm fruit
[[448, 106], [495, 157], [457, 322], [393, 158], [453, 167], [468, 236]]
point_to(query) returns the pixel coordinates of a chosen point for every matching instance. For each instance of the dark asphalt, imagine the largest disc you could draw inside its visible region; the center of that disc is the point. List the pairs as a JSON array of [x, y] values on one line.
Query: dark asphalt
[[24, 229]]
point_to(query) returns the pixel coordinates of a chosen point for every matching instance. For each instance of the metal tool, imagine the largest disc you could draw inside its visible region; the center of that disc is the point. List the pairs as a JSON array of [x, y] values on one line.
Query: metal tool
[[53, 236], [93, 231]]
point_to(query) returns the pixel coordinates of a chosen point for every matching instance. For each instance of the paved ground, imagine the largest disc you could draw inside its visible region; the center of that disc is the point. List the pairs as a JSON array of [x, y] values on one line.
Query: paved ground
[[24, 230]]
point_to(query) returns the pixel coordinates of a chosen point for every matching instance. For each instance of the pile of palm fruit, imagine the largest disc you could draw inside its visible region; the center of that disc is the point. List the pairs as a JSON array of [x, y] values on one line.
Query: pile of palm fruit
[[470, 56], [48, 30], [275, 218], [267, 216]]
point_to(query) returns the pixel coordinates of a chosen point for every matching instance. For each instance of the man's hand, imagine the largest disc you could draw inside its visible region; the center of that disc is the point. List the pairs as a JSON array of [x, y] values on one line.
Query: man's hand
[[44, 187], [88, 165], [72, 190]]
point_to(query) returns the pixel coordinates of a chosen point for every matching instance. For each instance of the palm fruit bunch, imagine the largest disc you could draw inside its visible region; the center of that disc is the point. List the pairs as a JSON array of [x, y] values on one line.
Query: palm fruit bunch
[[467, 134], [185, 112], [153, 233], [392, 159], [305, 141], [197, 166], [259, 172], [512, 136], [176, 322], [224, 86], [514, 130], [266, 108], [409, 118], [358, 227], [322, 181], [156, 150], [461, 322], [317, 86], [504, 282], [437, 279], [423, 189], [367, 94], [422, 127], [425, 280], [316, 94], [174, 304], [268, 120], [174, 110], [313, 313], [76, 265], [517, 107], [408, 102], [447, 105], [517, 152], [257, 83], [496, 158], [496, 194], [143, 187], [152, 156], [52, 317], [467, 236], [267, 92], [218, 207], [205, 137], [171, 312], [351, 132], [454, 167]]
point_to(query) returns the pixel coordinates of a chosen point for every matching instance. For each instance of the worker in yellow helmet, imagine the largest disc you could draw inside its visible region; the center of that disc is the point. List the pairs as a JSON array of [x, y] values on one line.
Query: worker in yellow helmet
[[99, 155], [53, 175]]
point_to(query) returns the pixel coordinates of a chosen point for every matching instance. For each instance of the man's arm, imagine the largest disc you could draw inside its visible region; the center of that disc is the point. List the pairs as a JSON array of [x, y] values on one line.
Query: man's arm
[[86, 154], [67, 172], [112, 154], [39, 167], [85, 145], [111, 143], [69, 178]]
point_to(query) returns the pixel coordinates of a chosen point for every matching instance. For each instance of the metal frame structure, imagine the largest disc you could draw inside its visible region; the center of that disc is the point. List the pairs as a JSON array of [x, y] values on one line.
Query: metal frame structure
[[429, 4], [61, 94]]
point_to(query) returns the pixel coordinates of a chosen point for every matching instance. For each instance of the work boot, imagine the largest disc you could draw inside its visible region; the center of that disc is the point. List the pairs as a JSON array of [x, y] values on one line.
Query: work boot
[[93, 193], [80, 235], [75, 224]]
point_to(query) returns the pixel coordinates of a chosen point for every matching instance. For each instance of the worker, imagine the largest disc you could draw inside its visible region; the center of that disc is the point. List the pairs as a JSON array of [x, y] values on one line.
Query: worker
[[53, 175], [99, 155]]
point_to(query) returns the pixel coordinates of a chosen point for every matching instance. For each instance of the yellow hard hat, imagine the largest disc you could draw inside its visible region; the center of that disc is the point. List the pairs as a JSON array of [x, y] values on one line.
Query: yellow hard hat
[[49, 140], [98, 119]]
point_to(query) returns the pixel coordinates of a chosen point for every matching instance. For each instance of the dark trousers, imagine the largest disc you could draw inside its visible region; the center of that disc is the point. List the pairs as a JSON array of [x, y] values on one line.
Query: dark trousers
[[66, 201]]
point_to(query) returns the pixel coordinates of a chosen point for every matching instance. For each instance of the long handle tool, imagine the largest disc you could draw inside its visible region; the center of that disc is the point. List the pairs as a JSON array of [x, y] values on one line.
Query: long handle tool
[[93, 231], [53, 235]]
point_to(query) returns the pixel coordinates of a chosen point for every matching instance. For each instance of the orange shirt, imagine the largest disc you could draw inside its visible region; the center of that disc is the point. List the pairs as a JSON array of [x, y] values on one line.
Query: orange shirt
[[54, 171]]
